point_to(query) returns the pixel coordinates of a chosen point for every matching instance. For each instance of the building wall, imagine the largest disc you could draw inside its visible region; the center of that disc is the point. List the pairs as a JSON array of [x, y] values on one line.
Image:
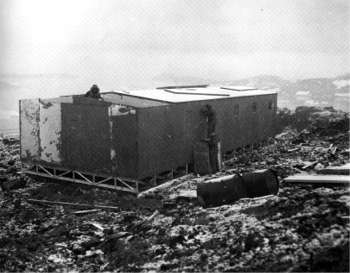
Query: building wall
[[50, 132], [166, 134], [29, 110], [40, 129], [86, 143], [162, 139], [79, 133], [110, 139], [123, 127]]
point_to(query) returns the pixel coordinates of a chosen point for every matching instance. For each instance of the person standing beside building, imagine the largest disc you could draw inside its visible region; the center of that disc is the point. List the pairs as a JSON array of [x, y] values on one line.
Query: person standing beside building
[[211, 136]]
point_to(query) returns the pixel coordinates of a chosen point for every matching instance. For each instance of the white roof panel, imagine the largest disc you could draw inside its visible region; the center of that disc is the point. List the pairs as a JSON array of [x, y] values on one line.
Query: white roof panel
[[176, 95], [238, 88]]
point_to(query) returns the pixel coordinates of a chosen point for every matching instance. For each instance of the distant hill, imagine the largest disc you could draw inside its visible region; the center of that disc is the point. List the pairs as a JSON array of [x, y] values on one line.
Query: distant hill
[[310, 92], [262, 81]]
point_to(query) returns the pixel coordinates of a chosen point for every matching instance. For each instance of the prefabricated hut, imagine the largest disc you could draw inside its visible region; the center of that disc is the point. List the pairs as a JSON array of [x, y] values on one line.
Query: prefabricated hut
[[129, 136]]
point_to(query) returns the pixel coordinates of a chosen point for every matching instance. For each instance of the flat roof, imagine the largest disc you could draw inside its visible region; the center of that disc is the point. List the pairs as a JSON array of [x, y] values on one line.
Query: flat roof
[[186, 94]]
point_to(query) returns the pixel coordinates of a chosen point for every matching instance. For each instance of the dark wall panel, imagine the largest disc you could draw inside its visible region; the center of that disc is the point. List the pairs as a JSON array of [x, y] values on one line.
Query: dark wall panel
[[124, 145], [86, 138], [161, 139]]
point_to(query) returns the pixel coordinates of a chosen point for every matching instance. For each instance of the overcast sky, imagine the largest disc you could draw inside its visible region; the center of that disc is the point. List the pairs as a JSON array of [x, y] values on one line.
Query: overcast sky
[[123, 42]]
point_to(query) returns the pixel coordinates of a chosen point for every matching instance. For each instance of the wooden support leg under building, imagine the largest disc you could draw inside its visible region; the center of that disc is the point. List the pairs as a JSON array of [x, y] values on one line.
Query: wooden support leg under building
[[89, 179]]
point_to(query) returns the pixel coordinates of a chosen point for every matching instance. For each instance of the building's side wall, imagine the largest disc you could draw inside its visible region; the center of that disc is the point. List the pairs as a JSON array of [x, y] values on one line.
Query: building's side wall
[[166, 134], [249, 126], [29, 129]]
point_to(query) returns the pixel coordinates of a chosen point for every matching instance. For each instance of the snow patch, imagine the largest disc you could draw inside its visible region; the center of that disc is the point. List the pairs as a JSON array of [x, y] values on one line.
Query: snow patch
[[341, 83]]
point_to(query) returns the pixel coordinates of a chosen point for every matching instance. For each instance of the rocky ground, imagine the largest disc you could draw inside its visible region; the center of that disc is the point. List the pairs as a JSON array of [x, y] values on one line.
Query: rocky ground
[[301, 229]]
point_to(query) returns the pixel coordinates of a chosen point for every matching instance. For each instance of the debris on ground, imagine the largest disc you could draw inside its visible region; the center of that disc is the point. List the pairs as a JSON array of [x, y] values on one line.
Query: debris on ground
[[337, 170], [302, 228], [320, 180]]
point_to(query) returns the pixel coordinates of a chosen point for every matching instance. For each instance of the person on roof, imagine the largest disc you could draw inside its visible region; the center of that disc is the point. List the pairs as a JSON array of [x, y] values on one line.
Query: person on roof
[[94, 92]]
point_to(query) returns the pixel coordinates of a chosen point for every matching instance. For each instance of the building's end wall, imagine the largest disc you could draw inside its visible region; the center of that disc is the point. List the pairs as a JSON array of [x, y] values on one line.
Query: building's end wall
[[50, 128], [29, 113], [40, 129]]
